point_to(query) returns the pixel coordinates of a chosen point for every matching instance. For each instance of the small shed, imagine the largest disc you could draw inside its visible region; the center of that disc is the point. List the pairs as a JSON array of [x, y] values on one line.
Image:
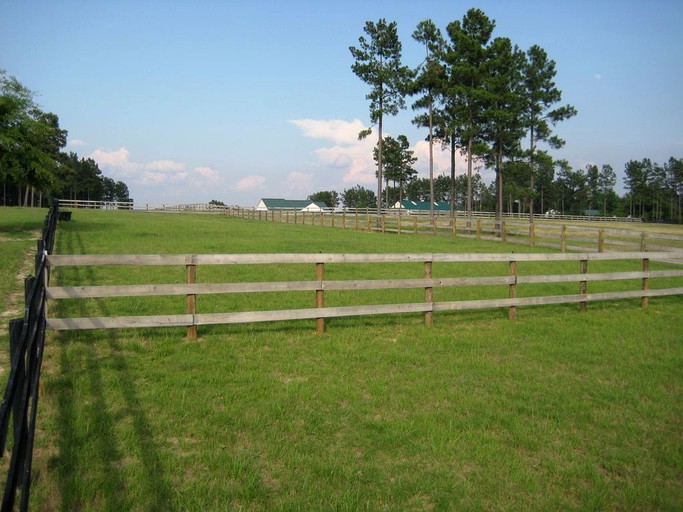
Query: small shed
[[299, 205]]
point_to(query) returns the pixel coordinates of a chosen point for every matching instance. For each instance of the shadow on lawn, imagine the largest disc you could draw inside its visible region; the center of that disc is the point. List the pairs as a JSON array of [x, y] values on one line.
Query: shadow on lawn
[[102, 441]]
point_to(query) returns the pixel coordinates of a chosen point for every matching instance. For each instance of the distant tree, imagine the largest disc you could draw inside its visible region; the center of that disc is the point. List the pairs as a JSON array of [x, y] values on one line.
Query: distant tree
[[378, 64], [593, 184], [637, 175], [429, 81], [398, 163], [504, 123], [674, 174], [540, 96], [30, 140], [329, 197], [214, 202], [418, 190], [465, 58], [606, 182], [359, 197]]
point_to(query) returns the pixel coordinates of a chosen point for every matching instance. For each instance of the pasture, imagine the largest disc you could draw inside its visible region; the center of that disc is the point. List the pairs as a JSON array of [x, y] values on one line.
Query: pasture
[[555, 410]]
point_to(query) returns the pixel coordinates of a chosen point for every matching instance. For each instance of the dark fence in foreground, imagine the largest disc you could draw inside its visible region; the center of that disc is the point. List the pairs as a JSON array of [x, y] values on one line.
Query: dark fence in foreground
[[27, 339]]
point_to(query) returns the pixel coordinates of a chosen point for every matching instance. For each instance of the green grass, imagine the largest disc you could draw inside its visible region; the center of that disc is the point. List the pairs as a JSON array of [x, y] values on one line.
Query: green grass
[[554, 411]]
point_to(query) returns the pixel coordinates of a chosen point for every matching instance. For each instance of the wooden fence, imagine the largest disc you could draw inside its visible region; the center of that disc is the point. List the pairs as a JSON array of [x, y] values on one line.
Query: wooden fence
[[318, 286], [556, 234]]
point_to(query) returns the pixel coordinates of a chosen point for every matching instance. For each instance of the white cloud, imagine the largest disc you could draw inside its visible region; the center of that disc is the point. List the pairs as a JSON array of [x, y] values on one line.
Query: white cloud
[[77, 142], [119, 159], [208, 175], [597, 76], [336, 130], [299, 184], [250, 183]]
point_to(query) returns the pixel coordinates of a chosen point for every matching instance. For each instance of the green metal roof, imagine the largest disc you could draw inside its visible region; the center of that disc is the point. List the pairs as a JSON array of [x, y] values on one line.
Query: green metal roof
[[276, 203], [424, 205]]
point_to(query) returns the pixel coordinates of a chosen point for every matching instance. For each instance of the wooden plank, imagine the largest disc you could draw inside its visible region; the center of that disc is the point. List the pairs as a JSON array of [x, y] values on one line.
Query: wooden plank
[[607, 276], [119, 322], [255, 259], [553, 299], [77, 260], [86, 292], [307, 314]]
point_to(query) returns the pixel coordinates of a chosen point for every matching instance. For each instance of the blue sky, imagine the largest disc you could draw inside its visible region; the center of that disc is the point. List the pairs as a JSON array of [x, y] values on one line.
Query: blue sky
[[188, 101]]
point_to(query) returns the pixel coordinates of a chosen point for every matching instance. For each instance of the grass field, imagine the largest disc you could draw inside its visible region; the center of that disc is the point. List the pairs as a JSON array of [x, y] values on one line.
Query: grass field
[[553, 411]]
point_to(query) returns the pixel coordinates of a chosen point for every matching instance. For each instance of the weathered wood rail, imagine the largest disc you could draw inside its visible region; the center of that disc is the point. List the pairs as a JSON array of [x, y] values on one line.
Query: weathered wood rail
[[192, 319]]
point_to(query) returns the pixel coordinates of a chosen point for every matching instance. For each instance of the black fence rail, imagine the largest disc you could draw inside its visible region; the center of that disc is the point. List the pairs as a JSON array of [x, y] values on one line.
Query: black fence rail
[[27, 340]]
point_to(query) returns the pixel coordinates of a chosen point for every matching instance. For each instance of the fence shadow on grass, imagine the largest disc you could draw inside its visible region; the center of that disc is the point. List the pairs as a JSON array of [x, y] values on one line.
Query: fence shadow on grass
[[88, 422]]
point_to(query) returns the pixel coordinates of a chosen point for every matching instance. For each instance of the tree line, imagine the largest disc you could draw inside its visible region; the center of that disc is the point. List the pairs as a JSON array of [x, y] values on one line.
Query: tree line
[[655, 191], [33, 166], [497, 105]]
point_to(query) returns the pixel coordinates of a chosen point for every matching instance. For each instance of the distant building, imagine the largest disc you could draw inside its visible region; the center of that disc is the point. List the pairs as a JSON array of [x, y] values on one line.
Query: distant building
[[299, 205], [421, 206]]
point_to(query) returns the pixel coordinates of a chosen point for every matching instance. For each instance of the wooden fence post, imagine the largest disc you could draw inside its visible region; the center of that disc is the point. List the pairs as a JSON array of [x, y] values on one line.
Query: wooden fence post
[[399, 222], [564, 238], [320, 295], [583, 285], [429, 315], [643, 241], [644, 301], [383, 226], [503, 234], [191, 299], [512, 293], [478, 229], [356, 221], [601, 240]]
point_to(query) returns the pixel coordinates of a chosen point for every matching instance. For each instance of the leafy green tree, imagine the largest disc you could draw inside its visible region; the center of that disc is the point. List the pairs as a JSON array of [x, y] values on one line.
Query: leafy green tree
[[606, 182], [503, 127], [592, 182], [674, 173], [329, 197], [418, 190], [398, 163], [541, 95], [429, 82], [30, 140], [378, 63], [359, 197], [465, 58]]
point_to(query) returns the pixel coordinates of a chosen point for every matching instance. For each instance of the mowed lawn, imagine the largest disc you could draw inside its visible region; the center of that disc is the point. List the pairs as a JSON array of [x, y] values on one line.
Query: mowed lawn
[[553, 411]]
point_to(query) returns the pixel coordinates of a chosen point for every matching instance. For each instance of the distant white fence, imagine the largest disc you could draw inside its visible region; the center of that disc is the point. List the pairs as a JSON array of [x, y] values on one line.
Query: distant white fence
[[95, 205]]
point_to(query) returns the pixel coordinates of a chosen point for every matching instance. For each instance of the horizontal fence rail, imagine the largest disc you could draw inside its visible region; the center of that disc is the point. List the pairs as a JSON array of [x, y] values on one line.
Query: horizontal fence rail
[[191, 289]]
